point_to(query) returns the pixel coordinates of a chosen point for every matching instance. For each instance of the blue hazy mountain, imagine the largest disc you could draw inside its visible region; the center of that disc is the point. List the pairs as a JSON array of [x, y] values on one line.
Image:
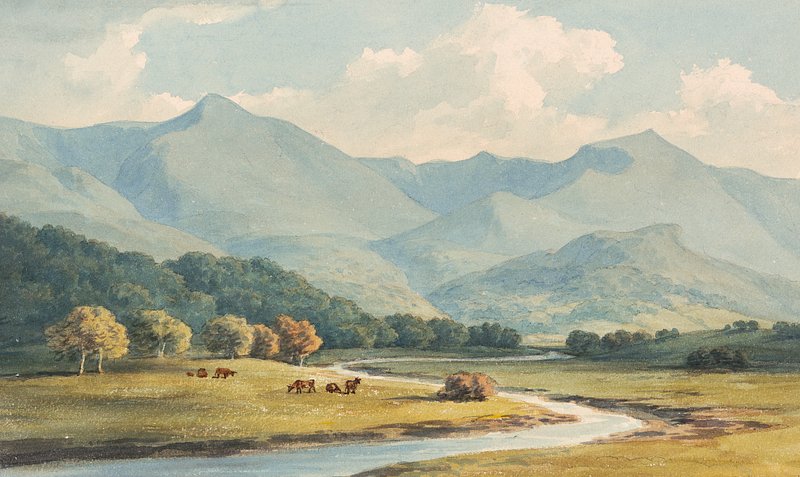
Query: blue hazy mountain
[[446, 186], [221, 173], [646, 278], [380, 231], [622, 184], [37, 186], [483, 233]]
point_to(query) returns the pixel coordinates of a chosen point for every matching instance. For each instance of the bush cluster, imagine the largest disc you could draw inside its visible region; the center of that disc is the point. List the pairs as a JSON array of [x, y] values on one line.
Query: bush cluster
[[463, 386], [717, 358]]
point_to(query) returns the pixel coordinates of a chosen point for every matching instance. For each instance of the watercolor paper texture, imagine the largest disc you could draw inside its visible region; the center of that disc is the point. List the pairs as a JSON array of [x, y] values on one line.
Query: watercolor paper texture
[[399, 238]]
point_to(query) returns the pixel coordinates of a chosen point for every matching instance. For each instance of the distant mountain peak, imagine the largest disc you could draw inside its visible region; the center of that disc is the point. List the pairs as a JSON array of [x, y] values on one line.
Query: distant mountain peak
[[216, 103]]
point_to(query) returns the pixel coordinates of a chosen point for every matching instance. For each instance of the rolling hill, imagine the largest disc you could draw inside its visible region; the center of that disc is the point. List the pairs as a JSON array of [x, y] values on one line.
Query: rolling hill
[[605, 280]]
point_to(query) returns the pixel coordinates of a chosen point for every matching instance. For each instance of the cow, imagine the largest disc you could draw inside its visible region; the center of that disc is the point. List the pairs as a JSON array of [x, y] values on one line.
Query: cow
[[190, 374], [333, 388], [224, 373], [350, 385], [202, 373], [299, 384]]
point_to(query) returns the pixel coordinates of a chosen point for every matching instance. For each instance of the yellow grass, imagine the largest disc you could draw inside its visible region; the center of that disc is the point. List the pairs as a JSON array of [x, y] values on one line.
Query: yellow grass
[[154, 401], [772, 399]]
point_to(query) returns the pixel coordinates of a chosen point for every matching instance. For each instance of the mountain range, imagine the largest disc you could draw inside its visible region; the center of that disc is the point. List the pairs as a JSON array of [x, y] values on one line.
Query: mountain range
[[483, 238]]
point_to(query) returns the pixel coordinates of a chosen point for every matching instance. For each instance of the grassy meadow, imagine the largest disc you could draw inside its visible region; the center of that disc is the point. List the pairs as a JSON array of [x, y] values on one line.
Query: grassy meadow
[[700, 424], [151, 402]]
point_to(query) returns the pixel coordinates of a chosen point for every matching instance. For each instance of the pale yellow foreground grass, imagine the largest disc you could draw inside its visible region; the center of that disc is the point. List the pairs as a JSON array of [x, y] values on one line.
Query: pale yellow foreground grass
[[154, 401], [772, 399]]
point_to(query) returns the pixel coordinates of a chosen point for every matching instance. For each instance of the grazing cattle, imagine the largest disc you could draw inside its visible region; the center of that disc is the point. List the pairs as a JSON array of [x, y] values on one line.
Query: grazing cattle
[[299, 385], [190, 374], [350, 385], [223, 372], [202, 373], [333, 388]]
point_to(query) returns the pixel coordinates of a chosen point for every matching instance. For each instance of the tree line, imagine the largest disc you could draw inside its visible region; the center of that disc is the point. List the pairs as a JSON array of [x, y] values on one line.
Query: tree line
[[580, 342]]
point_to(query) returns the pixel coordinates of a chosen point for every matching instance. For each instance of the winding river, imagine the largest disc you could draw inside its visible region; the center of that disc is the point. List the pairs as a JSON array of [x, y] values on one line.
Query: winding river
[[349, 459]]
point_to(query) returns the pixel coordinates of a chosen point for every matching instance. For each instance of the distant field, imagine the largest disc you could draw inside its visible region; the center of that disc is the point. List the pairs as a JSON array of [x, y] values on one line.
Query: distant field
[[765, 349], [151, 402], [706, 424]]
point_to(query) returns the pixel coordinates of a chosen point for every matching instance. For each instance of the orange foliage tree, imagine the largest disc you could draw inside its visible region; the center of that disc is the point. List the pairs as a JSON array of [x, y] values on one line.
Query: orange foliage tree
[[298, 339]]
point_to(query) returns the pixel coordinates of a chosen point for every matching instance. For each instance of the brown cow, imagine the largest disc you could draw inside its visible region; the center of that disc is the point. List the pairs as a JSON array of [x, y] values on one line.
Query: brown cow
[[333, 388], [350, 385], [190, 374], [202, 373], [224, 373], [299, 384]]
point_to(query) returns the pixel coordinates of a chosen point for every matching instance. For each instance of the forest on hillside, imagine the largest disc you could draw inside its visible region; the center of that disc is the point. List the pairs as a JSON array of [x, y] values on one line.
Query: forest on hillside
[[50, 270]]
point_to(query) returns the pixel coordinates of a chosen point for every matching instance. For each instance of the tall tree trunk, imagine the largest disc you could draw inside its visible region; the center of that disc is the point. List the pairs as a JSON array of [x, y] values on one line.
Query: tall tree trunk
[[302, 359], [161, 349], [83, 361], [100, 361]]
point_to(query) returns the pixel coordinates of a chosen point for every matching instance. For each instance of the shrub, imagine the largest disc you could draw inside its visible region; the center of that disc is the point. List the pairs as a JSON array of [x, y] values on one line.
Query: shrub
[[464, 386], [717, 358]]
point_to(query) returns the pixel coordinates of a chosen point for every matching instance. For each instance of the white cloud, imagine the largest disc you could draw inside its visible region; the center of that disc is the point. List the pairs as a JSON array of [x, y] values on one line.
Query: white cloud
[[487, 84], [164, 105], [372, 62], [102, 86], [727, 119]]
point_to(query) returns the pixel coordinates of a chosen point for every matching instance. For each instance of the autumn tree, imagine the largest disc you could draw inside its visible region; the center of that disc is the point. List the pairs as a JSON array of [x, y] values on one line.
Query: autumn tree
[[298, 338], [88, 330], [265, 342], [229, 335], [156, 331]]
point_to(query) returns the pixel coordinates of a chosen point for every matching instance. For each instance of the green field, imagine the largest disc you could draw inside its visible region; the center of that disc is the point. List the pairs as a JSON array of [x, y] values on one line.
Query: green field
[[702, 424], [764, 348], [151, 402]]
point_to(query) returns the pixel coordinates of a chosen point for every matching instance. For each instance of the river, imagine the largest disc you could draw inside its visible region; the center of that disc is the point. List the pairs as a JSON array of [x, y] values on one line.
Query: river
[[348, 459]]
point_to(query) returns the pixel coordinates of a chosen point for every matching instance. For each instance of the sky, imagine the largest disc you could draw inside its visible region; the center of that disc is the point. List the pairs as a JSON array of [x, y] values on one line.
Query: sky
[[426, 80]]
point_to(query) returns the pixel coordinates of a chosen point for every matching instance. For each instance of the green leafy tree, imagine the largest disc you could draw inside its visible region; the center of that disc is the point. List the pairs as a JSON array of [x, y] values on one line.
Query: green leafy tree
[[616, 340], [581, 342], [641, 336], [229, 335], [266, 343], [154, 331], [448, 333], [298, 338], [412, 331], [88, 330], [493, 335], [667, 334]]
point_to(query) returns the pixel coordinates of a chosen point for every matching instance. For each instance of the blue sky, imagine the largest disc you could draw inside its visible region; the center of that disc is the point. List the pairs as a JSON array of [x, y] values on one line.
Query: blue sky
[[427, 80]]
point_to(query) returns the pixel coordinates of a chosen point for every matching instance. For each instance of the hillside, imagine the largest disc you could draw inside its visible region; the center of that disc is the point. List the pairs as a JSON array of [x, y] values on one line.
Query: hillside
[[643, 279], [475, 237], [664, 184], [70, 197]]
